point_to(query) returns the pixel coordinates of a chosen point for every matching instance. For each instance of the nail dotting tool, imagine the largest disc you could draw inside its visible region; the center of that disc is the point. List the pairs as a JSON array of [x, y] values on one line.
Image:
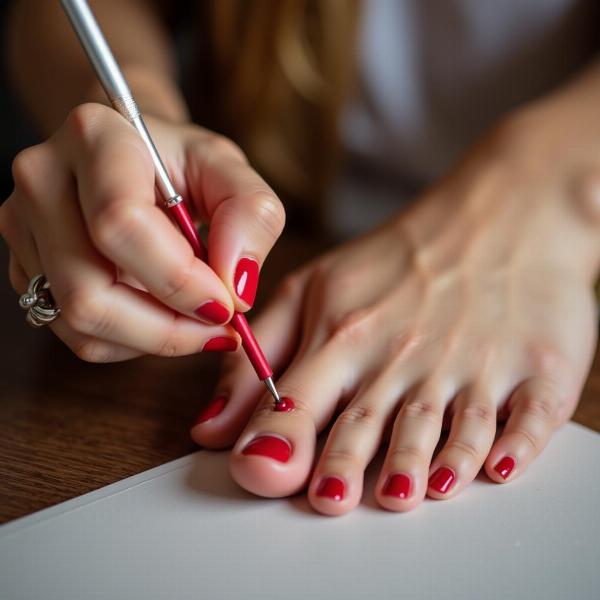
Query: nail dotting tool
[[113, 81]]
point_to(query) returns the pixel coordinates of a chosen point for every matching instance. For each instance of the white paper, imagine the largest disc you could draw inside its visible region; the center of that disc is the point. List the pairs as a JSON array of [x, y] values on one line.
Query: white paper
[[186, 530]]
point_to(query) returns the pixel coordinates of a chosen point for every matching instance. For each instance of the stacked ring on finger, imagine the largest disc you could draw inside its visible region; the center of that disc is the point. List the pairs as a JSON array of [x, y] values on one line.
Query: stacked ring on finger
[[39, 303]]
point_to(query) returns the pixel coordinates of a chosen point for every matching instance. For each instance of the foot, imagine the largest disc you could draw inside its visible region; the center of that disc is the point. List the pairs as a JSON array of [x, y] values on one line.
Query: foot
[[474, 308]]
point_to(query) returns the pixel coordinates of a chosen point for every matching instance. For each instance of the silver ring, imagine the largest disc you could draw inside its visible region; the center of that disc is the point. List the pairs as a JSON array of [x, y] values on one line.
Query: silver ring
[[39, 303]]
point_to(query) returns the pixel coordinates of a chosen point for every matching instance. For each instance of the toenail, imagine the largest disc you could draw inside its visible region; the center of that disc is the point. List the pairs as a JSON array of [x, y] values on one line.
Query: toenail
[[286, 405], [212, 409], [332, 487], [271, 446], [397, 485], [505, 466], [442, 479]]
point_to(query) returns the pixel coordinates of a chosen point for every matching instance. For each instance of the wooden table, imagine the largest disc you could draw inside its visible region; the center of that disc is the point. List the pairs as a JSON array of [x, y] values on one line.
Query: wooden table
[[68, 427]]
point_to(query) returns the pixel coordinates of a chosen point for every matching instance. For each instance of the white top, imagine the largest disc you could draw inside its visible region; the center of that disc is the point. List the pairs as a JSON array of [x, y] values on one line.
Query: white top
[[434, 74]]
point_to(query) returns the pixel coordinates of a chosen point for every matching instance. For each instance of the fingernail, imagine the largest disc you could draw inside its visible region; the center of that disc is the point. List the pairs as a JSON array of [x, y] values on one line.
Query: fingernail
[[213, 312], [218, 344], [271, 446], [245, 280], [442, 479], [397, 485], [286, 405], [332, 487], [505, 466], [212, 409]]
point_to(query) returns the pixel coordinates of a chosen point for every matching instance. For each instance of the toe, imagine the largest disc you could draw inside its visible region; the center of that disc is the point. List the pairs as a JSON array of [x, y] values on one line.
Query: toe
[[337, 482], [536, 412], [265, 467], [403, 479], [471, 436]]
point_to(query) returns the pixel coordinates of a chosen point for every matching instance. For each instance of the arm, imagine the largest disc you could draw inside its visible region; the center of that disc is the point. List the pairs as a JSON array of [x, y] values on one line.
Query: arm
[[52, 74]]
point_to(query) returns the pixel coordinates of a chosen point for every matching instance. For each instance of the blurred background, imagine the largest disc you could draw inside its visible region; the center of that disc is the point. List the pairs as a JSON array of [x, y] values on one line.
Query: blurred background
[[14, 132]]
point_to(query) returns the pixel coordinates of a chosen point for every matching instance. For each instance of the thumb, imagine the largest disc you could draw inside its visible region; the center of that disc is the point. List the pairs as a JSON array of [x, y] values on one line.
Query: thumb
[[245, 217]]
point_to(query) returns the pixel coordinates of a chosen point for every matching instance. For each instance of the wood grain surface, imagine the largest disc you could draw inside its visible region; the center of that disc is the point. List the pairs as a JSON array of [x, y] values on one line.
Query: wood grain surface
[[68, 427]]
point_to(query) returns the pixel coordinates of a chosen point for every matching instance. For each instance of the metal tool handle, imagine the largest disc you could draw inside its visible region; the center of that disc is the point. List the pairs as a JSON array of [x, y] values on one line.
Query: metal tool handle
[[111, 77]]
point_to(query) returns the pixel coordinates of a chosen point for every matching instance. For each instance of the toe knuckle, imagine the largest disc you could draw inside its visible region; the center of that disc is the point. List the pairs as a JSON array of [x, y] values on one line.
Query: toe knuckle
[[528, 437], [420, 408], [268, 213], [540, 407], [359, 414], [353, 328], [466, 447], [405, 451], [344, 455], [482, 412], [85, 311]]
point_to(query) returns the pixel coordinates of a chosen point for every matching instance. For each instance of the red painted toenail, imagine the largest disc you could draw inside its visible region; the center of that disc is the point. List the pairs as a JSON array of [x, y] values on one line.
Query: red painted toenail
[[505, 466], [397, 485], [442, 479], [271, 446], [332, 487], [212, 409], [286, 405]]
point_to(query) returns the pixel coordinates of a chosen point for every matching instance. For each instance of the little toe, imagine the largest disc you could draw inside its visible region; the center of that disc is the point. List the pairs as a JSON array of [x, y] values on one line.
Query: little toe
[[536, 412]]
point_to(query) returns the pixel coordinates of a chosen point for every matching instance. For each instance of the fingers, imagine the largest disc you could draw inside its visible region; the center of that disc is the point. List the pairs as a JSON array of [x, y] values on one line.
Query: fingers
[[22, 245], [239, 389], [536, 406], [83, 283], [402, 483], [245, 215], [115, 180], [471, 436], [273, 456]]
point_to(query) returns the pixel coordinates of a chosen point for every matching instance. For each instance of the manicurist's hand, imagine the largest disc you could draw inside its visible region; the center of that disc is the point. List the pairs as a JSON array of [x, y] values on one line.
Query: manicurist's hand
[[84, 212], [473, 308]]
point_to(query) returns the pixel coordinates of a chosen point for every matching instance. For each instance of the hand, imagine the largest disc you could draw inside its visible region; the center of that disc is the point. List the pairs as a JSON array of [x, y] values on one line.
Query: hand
[[474, 307], [85, 213]]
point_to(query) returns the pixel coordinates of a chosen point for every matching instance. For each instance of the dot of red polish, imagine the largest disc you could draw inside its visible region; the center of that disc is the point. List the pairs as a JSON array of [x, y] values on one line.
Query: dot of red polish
[[286, 405]]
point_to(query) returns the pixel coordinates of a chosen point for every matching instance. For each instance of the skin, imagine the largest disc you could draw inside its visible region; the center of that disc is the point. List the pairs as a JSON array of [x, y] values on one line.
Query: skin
[[473, 308]]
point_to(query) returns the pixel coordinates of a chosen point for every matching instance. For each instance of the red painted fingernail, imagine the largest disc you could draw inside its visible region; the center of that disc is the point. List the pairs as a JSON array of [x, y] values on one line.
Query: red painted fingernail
[[213, 312], [286, 405], [505, 466], [332, 487], [442, 479], [397, 485], [212, 409], [245, 280], [268, 445], [217, 344]]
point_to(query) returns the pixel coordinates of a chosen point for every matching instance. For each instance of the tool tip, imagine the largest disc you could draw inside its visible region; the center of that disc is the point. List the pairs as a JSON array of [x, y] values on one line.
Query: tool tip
[[271, 387]]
